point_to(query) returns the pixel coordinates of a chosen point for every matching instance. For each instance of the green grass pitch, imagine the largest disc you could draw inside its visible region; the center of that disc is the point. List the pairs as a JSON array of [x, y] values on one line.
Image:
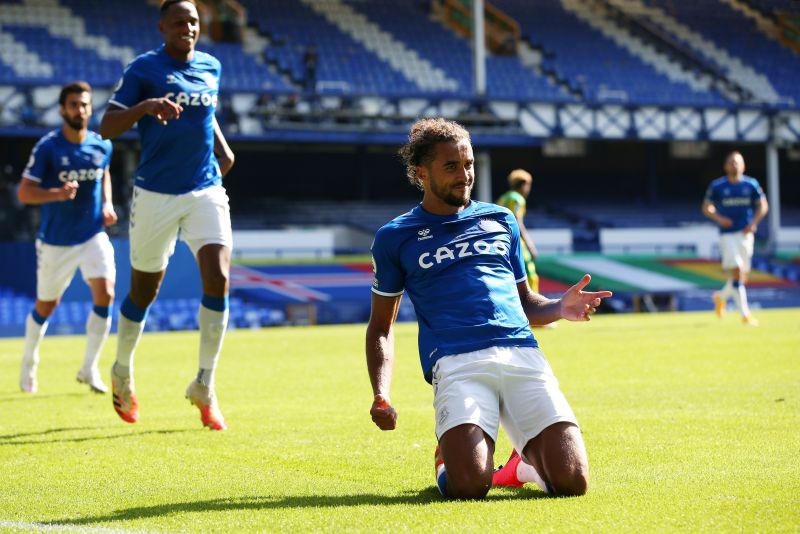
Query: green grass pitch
[[691, 424]]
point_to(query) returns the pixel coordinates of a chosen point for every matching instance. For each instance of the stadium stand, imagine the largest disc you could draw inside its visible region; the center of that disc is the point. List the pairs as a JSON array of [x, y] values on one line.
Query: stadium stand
[[344, 64], [736, 44], [579, 46], [570, 52]]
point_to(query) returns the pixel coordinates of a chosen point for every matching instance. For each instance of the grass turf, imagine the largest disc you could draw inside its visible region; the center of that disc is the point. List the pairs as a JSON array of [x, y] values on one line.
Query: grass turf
[[690, 423]]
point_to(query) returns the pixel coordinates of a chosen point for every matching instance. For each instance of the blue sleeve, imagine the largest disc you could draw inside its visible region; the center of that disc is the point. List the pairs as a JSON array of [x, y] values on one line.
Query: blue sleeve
[[110, 151], [128, 91], [39, 163], [758, 193], [389, 278], [515, 254], [709, 193]]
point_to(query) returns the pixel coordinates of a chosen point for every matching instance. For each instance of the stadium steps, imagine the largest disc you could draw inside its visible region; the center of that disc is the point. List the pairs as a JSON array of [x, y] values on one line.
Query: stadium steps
[[384, 45], [60, 21], [595, 64], [736, 69], [532, 56], [24, 62], [599, 17], [704, 72], [254, 43]]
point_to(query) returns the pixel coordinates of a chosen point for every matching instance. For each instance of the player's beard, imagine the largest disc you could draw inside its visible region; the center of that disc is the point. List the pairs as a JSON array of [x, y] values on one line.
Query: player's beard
[[453, 197], [76, 123]]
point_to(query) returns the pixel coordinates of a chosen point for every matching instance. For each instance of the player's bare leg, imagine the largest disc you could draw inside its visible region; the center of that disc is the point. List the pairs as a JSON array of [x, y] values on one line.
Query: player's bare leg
[[212, 317], [133, 312], [467, 452], [35, 328], [559, 456], [98, 324]]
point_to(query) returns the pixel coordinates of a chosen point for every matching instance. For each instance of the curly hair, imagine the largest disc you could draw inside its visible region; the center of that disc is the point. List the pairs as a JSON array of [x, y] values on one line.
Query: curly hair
[[422, 140]]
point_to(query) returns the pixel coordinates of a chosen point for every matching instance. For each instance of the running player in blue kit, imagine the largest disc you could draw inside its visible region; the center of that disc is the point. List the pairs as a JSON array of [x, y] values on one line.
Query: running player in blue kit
[[460, 262], [736, 203], [67, 175], [171, 92]]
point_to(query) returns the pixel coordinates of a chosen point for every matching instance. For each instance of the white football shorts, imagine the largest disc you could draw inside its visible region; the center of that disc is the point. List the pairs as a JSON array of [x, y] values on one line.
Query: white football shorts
[[512, 386], [736, 249], [200, 217], [56, 265]]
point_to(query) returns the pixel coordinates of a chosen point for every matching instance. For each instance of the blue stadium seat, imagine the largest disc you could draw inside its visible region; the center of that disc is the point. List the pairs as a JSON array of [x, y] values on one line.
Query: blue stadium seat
[[594, 63], [739, 36]]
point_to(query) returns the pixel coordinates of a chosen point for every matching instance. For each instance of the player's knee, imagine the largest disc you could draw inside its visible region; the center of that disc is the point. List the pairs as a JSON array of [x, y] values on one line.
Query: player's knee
[[106, 296], [216, 282], [571, 483], [143, 297], [45, 308], [468, 485]]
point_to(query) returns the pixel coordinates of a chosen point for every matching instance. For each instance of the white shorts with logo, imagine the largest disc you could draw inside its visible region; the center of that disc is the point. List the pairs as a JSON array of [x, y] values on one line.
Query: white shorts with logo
[[736, 249], [56, 265], [512, 386], [201, 217]]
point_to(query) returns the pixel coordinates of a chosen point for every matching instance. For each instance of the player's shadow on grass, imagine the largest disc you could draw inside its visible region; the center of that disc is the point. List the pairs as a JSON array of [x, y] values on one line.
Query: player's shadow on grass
[[426, 496], [56, 433]]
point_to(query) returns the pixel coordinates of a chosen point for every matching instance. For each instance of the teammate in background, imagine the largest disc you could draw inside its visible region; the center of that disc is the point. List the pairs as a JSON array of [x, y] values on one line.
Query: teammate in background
[[737, 204], [519, 180], [461, 263], [172, 93], [67, 175]]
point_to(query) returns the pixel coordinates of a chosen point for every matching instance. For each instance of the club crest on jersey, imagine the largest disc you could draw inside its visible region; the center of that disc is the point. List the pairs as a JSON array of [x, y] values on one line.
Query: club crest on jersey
[[461, 250], [490, 225], [424, 234], [171, 78], [64, 161], [210, 79]]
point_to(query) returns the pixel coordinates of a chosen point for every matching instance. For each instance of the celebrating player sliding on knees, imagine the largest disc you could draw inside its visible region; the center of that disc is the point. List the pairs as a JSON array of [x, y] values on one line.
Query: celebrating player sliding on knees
[[461, 264]]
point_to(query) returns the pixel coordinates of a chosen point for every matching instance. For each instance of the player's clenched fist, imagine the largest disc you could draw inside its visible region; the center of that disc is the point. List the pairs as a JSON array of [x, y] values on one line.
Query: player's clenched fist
[[69, 190], [382, 413], [163, 109]]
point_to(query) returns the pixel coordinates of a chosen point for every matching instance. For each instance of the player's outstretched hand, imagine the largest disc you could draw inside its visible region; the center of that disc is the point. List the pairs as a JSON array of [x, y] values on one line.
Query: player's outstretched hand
[[382, 413], [579, 305]]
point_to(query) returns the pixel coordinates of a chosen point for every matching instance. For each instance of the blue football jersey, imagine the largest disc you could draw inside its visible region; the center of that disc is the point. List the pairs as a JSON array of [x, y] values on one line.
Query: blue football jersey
[[735, 201], [179, 157], [461, 273], [55, 161]]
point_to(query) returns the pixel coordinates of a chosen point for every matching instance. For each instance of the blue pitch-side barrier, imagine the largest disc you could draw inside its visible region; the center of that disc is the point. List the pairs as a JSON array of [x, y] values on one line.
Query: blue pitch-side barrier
[[19, 272], [175, 308]]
